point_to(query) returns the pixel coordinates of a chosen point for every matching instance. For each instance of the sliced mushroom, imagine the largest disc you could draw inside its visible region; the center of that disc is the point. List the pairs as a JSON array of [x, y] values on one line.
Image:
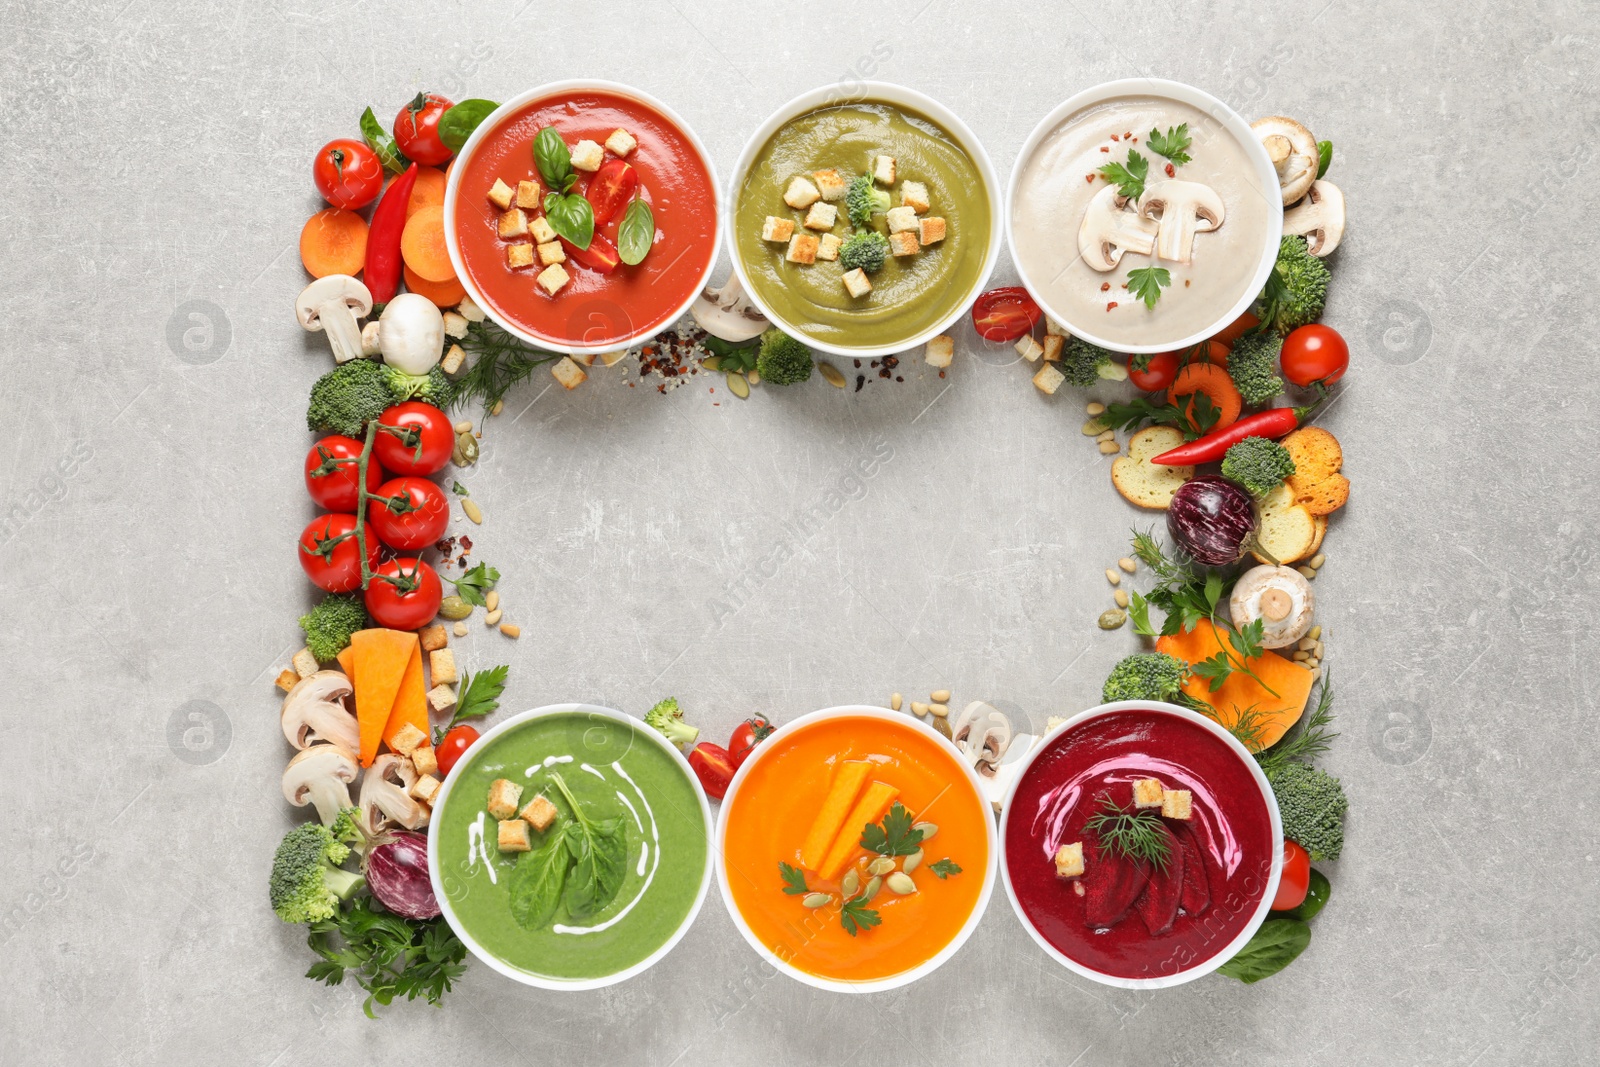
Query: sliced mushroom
[[1280, 597], [1293, 152], [321, 776], [727, 313], [1183, 209], [997, 785], [334, 305], [1110, 228], [1319, 218], [411, 334], [386, 796], [315, 710]]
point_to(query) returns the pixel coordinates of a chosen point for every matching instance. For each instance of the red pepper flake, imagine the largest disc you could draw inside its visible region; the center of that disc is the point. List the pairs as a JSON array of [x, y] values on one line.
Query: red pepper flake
[[941, 374], [1186, 283], [1089, 178], [1114, 137], [1105, 286], [1135, 140], [1170, 171], [1103, 148], [1111, 305], [1127, 135]]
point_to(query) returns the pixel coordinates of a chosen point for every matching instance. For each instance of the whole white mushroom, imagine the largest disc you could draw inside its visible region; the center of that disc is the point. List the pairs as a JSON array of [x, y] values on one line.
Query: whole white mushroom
[[411, 334]]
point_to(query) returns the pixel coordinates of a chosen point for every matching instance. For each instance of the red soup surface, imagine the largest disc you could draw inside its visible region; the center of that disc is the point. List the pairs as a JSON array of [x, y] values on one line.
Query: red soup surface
[[593, 308], [1227, 840]]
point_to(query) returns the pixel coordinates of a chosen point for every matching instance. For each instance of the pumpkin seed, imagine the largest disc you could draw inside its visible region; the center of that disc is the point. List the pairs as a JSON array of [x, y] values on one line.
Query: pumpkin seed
[[928, 829], [831, 373], [942, 726], [1094, 428], [940, 696], [900, 882], [712, 363], [465, 453], [737, 385], [852, 882], [815, 900], [871, 891], [1112, 618], [895, 701], [472, 510], [912, 862], [453, 607], [881, 865]]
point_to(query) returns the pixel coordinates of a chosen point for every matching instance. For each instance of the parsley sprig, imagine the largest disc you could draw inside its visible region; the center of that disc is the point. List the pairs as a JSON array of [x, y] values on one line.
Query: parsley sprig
[[1146, 283], [794, 879], [1131, 834], [1129, 179], [389, 955], [479, 695], [895, 836], [945, 868], [472, 585], [856, 916], [1174, 144]]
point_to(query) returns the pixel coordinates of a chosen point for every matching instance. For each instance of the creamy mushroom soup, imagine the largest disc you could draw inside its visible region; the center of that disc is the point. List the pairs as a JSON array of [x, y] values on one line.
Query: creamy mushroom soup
[[1086, 239]]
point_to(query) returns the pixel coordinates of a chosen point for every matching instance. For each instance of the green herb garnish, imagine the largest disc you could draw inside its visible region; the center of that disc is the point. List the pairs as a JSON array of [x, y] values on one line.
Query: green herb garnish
[[479, 695], [1194, 419], [389, 955], [458, 489], [945, 868], [1128, 179], [569, 214], [380, 142], [472, 585], [1174, 144], [1324, 157], [1146, 283], [636, 234], [599, 850], [895, 837], [1134, 835], [459, 120], [1309, 739], [501, 361], [856, 916], [794, 879]]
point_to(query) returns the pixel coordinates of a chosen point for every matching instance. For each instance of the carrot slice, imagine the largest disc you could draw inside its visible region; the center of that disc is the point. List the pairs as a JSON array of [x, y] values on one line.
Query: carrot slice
[[428, 192], [422, 245], [1214, 382], [410, 701], [334, 241], [347, 663], [445, 294], [1237, 329], [869, 809], [847, 782]]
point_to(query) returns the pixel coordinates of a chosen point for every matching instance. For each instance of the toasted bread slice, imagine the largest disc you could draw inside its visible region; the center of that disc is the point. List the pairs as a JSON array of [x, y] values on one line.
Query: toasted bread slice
[[1142, 482], [1316, 454], [1322, 531], [1326, 497], [1286, 531]]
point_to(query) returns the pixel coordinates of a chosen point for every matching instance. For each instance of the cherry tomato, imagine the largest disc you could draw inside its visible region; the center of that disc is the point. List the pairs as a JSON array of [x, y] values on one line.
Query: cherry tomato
[[416, 130], [1314, 355], [348, 173], [746, 736], [425, 426], [1157, 374], [1295, 880], [331, 553], [714, 767], [610, 189], [332, 467], [453, 747], [1005, 314], [413, 514], [404, 594], [601, 255]]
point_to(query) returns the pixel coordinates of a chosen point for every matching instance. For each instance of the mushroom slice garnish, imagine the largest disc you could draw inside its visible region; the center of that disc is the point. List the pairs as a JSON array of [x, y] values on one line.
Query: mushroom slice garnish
[[1319, 218], [386, 797], [982, 733], [727, 313], [1293, 152], [1278, 596], [335, 305], [1110, 229], [314, 710], [321, 776], [1183, 210]]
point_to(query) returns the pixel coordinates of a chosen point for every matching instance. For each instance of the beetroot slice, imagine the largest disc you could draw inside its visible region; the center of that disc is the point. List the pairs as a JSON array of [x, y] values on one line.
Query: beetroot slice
[[1196, 895], [1158, 904], [1111, 884]]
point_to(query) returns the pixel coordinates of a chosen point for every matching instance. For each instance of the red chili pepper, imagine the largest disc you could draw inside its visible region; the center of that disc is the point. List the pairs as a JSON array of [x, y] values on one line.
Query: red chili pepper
[[1271, 424], [382, 272]]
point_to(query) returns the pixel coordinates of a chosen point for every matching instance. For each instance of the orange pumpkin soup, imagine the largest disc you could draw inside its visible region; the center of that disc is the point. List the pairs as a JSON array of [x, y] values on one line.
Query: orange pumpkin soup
[[806, 802]]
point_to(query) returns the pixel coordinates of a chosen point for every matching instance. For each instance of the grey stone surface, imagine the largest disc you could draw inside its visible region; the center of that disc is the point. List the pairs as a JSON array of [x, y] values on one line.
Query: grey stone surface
[[156, 178]]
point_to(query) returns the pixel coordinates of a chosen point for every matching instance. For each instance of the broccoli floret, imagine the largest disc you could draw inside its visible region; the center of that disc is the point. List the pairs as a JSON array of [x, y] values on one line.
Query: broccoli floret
[[1312, 804], [1145, 676], [1253, 367], [307, 883], [434, 387], [864, 251], [1258, 464], [668, 718], [345, 829], [348, 397], [328, 626], [1081, 363], [782, 360], [862, 199], [1298, 289]]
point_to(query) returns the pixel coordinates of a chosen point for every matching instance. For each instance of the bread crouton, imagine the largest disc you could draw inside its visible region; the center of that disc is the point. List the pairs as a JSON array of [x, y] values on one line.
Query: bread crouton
[[1147, 792], [776, 229], [902, 220], [513, 223], [425, 788], [500, 194], [904, 243], [611, 359], [441, 698], [454, 325], [454, 359], [406, 739], [1053, 344], [1047, 379], [504, 797], [567, 371], [620, 143], [914, 195], [931, 230], [539, 813], [1029, 349], [1176, 804], [287, 678], [551, 252], [587, 156], [469, 310], [513, 836], [304, 663], [941, 350], [543, 232], [822, 216], [802, 249], [442, 667], [801, 194], [857, 283], [425, 760], [529, 194], [829, 247], [1069, 860], [830, 183], [552, 278], [1052, 328], [519, 255], [883, 170]]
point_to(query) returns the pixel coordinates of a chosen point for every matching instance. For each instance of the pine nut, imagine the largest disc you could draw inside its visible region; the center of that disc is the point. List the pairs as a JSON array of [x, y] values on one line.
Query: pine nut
[[1113, 577], [940, 696], [918, 708], [1306, 644], [1319, 650], [1306, 572], [511, 631], [1094, 428], [1121, 597], [1302, 656], [473, 512], [491, 600], [1316, 633], [1109, 435], [499, 406], [492, 618], [1127, 564], [460, 629], [1109, 448], [1319, 559], [1094, 407], [464, 426], [940, 710], [894, 702]]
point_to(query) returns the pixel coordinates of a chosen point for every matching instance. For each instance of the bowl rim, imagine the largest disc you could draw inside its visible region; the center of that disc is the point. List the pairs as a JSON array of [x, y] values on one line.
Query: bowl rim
[[895, 95], [544, 981], [493, 122], [893, 981], [1263, 906], [1185, 94]]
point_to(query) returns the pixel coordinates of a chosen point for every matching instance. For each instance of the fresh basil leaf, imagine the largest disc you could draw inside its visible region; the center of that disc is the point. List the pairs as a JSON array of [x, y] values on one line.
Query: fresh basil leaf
[[457, 124], [1274, 947], [1324, 157], [1316, 896], [553, 158], [536, 881], [379, 141], [637, 234], [571, 217]]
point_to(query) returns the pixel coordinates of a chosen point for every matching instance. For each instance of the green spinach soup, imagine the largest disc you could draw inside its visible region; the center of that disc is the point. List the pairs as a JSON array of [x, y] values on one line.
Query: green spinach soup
[[572, 846]]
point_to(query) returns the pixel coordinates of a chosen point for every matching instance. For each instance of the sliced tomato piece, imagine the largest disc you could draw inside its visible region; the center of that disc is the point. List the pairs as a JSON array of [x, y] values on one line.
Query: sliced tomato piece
[[610, 189], [1005, 314], [601, 255]]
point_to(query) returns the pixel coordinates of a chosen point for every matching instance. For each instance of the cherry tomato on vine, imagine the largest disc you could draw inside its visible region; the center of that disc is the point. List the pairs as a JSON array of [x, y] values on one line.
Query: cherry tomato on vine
[[331, 554], [1157, 374], [1295, 880], [332, 468], [404, 594], [412, 514], [1005, 314], [417, 424], [416, 130], [610, 189], [348, 173], [746, 736], [714, 767], [453, 747], [1314, 355]]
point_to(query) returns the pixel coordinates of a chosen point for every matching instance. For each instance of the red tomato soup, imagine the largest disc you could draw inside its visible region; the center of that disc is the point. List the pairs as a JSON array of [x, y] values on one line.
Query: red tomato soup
[[1133, 919], [592, 309]]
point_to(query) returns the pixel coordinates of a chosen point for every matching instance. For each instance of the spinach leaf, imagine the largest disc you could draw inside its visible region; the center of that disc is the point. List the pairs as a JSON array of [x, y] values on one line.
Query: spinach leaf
[[570, 216], [554, 160], [536, 881], [1324, 157], [1316, 896], [379, 141], [599, 851], [457, 124], [637, 233], [1274, 947]]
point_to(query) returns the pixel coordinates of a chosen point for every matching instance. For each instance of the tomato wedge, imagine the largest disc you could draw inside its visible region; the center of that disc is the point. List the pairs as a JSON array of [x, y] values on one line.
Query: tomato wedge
[[610, 189], [601, 255], [1005, 314]]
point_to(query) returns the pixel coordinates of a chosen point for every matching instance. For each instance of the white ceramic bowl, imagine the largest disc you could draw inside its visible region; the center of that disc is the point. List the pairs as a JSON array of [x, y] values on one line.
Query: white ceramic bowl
[[493, 122], [1226, 952], [434, 865], [1266, 178], [897, 96], [771, 744]]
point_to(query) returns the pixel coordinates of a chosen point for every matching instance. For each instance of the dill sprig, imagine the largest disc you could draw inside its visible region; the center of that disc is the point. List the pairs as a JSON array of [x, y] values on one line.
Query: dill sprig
[[500, 362], [1135, 835], [1310, 739]]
